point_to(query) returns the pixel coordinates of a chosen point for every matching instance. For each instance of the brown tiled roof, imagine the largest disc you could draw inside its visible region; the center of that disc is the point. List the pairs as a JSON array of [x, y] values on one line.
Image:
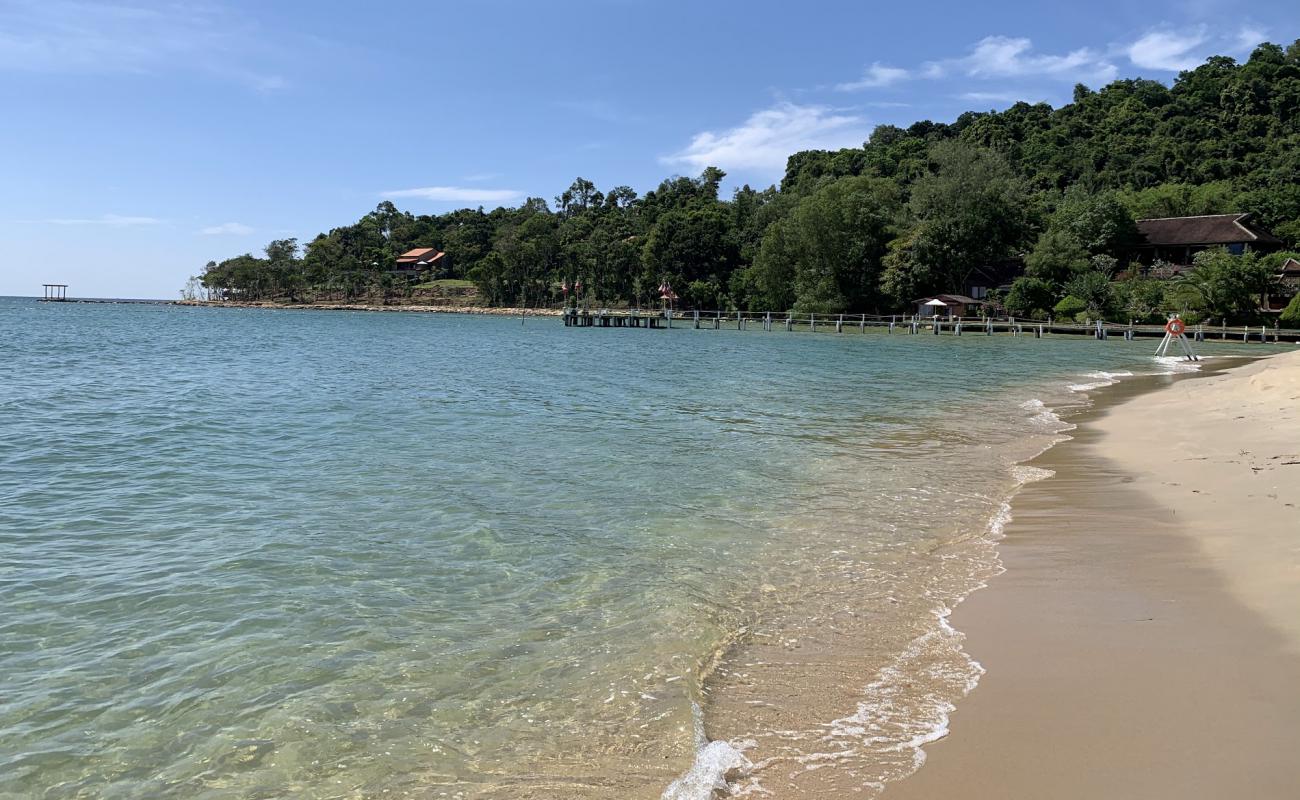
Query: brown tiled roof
[[419, 254], [1290, 267], [1209, 229]]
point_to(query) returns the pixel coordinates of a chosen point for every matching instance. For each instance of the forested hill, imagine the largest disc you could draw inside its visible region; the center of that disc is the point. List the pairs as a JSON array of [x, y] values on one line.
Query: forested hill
[[913, 211]]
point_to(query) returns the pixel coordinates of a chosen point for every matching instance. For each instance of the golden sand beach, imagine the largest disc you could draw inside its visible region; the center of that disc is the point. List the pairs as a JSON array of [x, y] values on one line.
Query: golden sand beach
[[1144, 641]]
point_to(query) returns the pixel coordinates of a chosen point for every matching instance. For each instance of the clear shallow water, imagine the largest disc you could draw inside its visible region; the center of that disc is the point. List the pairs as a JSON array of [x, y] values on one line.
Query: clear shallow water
[[250, 553]]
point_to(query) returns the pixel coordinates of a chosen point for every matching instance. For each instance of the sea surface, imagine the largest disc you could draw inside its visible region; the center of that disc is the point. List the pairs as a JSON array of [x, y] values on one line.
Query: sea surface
[[251, 553]]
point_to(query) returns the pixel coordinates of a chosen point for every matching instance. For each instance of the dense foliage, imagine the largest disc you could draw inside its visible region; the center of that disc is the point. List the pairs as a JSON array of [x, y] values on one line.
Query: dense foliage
[[913, 211]]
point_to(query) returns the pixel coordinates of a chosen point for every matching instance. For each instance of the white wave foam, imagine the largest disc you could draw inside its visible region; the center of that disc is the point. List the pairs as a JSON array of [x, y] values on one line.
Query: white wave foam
[[1100, 379], [890, 717], [1023, 473], [708, 773], [1043, 415], [1172, 365]]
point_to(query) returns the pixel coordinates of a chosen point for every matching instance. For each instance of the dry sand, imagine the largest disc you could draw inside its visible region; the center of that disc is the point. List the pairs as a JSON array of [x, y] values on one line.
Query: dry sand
[[1145, 639]]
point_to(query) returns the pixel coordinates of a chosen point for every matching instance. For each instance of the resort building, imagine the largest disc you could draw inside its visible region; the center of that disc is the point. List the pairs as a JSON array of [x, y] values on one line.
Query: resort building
[[419, 260], [993, 277], [1288, 286], [949, 305], [1176, 240]]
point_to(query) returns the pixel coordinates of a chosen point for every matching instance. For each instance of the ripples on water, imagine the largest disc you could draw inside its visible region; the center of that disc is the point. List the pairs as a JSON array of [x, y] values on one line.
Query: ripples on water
[[253, 553]]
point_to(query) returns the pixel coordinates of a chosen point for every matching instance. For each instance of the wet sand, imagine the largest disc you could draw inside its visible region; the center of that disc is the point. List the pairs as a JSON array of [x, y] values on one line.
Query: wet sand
[[1139, 644]]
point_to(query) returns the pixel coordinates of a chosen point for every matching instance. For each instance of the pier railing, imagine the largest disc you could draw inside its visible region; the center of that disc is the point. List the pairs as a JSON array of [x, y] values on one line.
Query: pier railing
[[908, 324]]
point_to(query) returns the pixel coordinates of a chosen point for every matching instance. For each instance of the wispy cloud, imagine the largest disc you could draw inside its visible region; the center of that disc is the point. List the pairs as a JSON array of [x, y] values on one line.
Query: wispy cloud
[[110, 220], [481, 177], [457, 194], [227, 228], [68, 36], [1248, 38], [1173, 49], [764, 141], [995, 58], [1015, 57], [1168, 49], [875, 76]]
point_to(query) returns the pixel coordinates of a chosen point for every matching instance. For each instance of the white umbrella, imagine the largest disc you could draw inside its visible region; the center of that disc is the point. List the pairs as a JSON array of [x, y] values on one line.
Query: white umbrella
[[936, 302]]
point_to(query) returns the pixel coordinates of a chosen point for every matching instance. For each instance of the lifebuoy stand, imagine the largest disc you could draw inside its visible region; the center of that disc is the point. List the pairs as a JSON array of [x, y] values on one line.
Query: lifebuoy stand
[[1176, 331]]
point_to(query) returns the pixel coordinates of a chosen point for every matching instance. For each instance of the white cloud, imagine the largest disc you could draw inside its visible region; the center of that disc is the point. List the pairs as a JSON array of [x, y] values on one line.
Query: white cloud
[[1168, 49], [1176, 49], [231, 228], [933, 70], [111, 220], [765, 140], [1014, 57], [458, 194], [993, 58], [1248, 38], [875, 76]]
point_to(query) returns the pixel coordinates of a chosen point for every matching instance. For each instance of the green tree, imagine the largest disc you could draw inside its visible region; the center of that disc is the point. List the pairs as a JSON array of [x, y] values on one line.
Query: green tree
[[1229, 287], [1290, 317], [770, 280], [1140, 298], [688, 245], [1099, 222], [1069, 307], [1093, 289], [1056, 258], [833, 244], [1030, 296], [970, 211]]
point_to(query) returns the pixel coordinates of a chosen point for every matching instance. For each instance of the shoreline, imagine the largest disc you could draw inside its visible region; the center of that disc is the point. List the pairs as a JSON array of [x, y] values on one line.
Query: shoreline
[[410, 308], [1123, 665]]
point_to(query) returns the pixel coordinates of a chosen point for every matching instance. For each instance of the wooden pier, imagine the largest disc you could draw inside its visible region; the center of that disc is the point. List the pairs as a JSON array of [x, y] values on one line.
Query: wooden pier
[[55, 292], [912, 325], [574, 318]]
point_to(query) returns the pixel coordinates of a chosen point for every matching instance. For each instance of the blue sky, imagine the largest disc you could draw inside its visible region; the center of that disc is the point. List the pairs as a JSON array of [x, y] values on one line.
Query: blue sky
[[139, 140]]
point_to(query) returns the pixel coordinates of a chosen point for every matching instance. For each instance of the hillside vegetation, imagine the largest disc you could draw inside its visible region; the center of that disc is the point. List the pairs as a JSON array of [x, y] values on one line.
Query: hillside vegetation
[[913, 211]]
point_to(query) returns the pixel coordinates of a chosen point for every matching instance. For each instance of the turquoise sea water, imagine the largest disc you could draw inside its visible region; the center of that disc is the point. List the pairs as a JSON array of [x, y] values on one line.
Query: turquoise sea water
[[249, 553]]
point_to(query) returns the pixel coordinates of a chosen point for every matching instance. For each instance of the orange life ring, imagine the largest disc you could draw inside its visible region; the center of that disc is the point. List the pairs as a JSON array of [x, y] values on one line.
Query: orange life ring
[[1175, 327]]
